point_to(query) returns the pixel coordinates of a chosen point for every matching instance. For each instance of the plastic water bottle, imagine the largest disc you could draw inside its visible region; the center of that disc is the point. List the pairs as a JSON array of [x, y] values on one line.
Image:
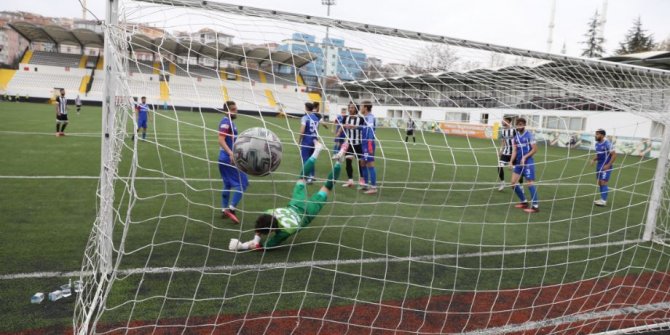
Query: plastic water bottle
[[67, 289], [37, 298], [78, 286], [55, 295]]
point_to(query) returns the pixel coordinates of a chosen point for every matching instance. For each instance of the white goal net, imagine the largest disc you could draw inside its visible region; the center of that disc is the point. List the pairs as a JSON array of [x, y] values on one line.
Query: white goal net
[[432, 236]]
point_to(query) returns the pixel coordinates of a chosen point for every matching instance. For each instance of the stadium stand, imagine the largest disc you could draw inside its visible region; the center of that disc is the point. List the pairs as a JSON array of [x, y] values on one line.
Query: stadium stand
[[55, 59], [187, 85]]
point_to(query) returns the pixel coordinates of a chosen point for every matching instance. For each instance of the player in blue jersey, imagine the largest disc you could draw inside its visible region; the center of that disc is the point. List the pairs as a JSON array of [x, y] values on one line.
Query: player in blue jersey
[[309, 126], [282, 223], [339, 130], [368, 148], [604, 159], [142, 117], [234, 180], [523, 164]]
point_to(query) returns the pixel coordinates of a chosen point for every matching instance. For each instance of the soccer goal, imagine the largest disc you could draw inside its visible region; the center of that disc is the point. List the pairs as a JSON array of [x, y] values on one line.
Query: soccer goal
[[446, 230]]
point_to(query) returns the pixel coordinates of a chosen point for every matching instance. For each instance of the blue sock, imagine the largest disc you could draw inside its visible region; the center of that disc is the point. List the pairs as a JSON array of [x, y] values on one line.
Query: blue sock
[[225, 197], [372, 174], [364, 174], [533, 194], [604, 189], [519, 192], [237, 196]]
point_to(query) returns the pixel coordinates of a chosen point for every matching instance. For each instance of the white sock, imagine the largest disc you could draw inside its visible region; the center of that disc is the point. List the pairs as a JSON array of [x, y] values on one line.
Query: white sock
[[343, 148], [317, 149]]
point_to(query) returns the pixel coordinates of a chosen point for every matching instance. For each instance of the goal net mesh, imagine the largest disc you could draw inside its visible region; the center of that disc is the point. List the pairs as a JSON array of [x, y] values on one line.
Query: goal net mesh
[[438, 249]]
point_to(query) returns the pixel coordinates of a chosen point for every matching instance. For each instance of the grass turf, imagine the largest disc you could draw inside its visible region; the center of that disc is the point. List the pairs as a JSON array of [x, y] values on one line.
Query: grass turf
[[437, 202]]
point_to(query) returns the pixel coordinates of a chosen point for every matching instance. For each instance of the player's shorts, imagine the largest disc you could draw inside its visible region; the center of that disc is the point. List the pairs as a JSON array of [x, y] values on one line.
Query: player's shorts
[[354, 151], [368, 151], [306, 152], [410, 132], [527, 171], [309, 209], [231, 175], [603, 175], [62, 118], [142, 122], [504, 160]]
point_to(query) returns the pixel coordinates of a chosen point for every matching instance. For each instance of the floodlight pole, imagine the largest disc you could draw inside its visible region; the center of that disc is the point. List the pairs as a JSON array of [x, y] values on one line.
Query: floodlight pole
[[324, 78], [657, 191]]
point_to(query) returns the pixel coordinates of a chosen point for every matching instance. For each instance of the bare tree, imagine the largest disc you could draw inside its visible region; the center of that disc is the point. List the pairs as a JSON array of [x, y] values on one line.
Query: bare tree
[[434, 58], [664, 45]]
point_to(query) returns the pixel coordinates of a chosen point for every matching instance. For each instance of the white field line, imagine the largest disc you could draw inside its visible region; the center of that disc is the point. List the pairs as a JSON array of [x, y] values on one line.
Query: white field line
[[402, 183], [531, 325], [307, 264]]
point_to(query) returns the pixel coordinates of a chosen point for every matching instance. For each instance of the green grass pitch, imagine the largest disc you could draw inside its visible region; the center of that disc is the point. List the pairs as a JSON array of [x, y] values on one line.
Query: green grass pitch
[[437, 227]]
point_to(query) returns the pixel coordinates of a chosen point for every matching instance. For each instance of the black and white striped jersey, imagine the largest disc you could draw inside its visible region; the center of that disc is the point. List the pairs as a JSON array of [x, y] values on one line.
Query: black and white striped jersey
[[411, 125], [354, 135], [62, 105], [507, 136]]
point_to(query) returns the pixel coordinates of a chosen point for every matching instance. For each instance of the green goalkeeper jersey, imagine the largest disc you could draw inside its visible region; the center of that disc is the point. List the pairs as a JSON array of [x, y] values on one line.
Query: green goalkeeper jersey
[[299, 213]]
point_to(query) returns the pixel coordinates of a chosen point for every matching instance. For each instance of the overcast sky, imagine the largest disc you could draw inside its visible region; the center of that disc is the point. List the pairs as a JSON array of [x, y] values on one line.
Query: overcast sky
[[516, 23]]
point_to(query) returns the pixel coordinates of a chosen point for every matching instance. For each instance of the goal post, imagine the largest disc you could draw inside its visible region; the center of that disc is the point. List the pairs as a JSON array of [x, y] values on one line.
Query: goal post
[[425, 238]]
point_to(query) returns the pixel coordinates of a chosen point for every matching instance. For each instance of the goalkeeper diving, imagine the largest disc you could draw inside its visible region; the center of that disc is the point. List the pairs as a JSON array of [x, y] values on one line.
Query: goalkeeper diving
[[280, 223]]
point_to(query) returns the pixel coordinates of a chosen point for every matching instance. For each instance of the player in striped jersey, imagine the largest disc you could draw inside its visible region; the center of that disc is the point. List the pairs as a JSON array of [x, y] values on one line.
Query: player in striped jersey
[[410, 130], [523, 164], [605, 157], [507, 133], [352, 128], [61, 113], [282, 223]]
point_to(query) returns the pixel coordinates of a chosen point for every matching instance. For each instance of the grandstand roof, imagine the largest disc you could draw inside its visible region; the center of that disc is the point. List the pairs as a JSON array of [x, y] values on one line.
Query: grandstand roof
[[656, 59], [57, 34], [660, 60], [169, 45]]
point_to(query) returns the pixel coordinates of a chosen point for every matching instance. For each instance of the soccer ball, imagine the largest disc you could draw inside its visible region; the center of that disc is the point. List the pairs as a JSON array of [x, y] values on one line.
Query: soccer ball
[[257, 151]]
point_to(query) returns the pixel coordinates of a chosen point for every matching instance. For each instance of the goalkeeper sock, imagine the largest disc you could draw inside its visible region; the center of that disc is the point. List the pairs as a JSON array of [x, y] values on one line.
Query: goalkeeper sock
[[333, 176], [519, 192], [604, 189], [533, 194], [307, 167]]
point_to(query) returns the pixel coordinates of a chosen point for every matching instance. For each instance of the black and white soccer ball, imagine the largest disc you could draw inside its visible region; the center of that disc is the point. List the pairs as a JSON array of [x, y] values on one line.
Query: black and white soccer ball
[[257, 151]]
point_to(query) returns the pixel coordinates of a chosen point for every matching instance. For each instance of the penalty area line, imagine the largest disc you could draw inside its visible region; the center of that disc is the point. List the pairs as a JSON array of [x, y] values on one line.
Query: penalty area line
[[332, 262]]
